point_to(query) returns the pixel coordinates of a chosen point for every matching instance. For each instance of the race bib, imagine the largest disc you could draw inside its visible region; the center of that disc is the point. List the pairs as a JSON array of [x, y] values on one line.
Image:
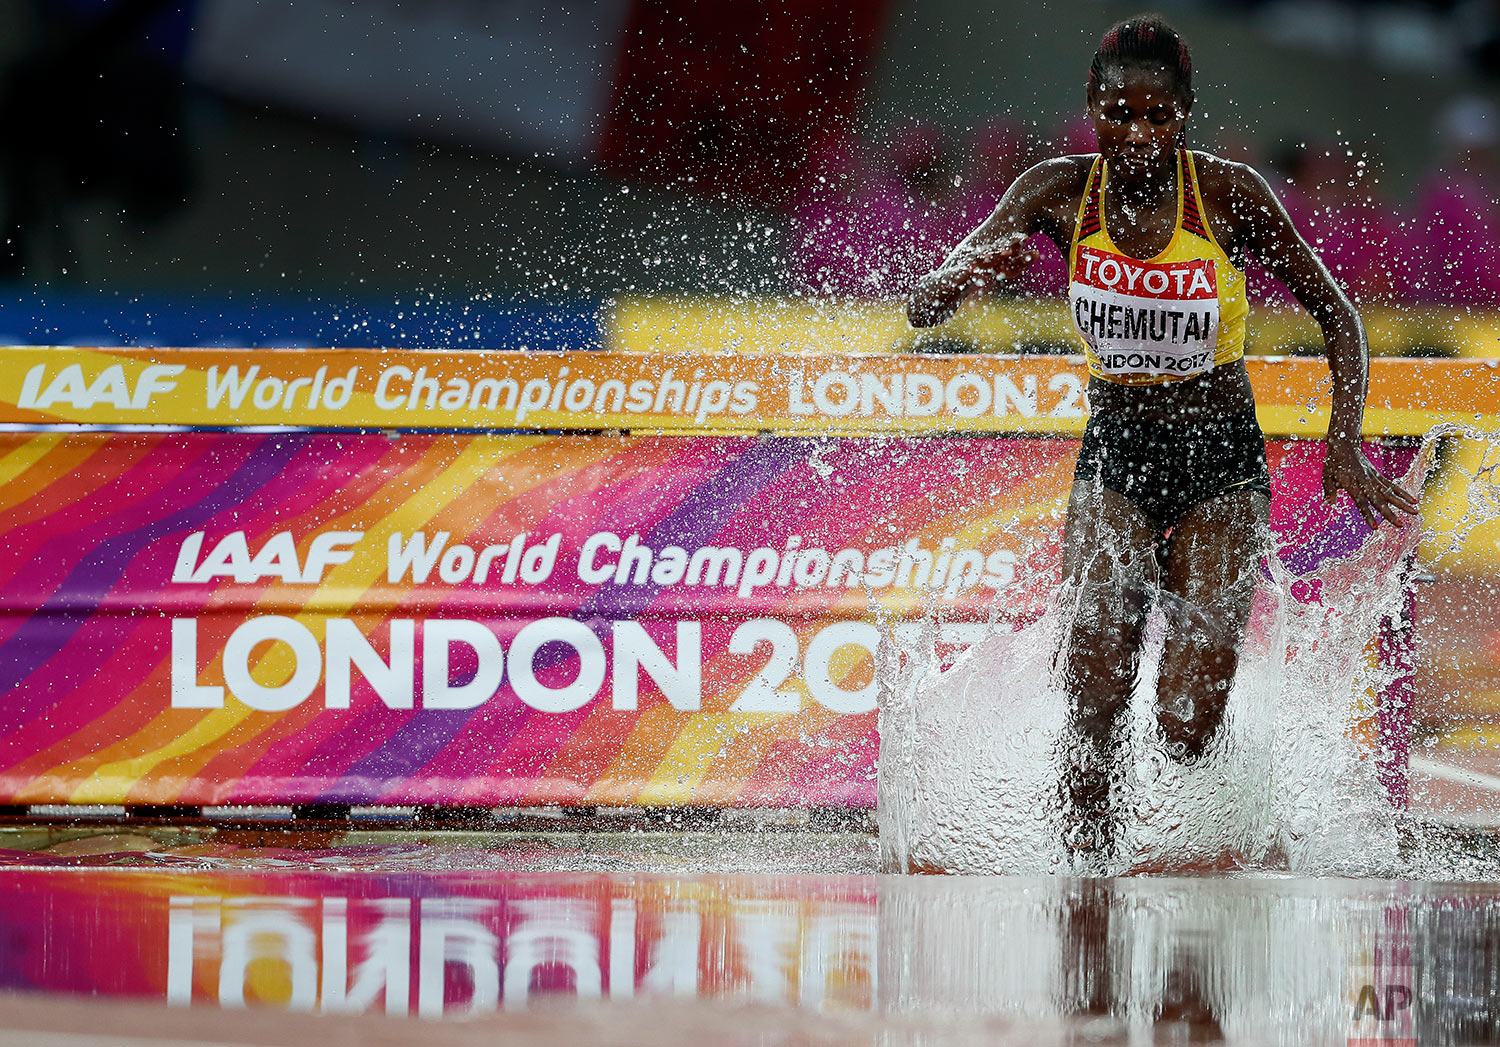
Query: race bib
[[1146, 318]]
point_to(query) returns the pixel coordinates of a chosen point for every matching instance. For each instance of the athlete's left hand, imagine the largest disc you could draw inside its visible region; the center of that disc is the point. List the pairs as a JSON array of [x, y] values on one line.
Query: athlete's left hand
[[1346, 468]]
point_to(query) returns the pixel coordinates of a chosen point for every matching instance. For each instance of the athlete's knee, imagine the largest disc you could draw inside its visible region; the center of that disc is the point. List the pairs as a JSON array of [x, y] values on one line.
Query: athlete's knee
[[1189, 717], [1105, 626], [1097, 705], [1098, 676]]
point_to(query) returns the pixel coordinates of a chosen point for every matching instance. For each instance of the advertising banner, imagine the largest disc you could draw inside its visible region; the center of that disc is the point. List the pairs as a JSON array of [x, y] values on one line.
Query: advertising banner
[[297, 617], [784, 392]]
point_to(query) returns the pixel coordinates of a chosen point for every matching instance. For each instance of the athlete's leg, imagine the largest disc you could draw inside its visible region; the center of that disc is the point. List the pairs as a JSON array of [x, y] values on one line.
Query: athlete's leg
[[1109, 574], [1215, 557]]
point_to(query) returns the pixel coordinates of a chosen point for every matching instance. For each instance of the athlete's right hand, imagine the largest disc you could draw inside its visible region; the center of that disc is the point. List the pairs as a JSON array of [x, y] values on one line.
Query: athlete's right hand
[[989, 265], [972, 269]]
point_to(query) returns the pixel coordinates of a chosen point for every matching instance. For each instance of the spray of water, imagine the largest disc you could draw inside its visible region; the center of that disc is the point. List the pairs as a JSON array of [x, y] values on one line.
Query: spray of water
[[970, 755]]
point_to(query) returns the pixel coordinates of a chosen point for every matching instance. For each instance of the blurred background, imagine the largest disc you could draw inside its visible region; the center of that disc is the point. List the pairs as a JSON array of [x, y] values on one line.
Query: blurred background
[[587, 173], [264, 171]]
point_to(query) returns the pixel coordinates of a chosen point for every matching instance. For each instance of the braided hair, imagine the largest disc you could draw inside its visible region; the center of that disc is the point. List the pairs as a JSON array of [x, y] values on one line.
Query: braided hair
[[1149, 42]]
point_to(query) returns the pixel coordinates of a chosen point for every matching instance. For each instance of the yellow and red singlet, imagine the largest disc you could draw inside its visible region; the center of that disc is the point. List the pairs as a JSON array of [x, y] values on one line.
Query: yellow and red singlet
[[1144, 321]]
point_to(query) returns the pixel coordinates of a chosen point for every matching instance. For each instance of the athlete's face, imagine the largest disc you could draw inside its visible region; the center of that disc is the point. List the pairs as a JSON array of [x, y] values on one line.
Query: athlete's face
[[1138, 119]]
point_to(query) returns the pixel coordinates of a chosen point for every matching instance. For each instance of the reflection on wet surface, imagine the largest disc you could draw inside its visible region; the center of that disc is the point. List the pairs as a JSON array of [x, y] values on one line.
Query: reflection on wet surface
[[407, 931]]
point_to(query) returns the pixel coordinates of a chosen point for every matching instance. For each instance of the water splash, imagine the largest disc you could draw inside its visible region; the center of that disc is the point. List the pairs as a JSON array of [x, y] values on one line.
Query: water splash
[[969, 765]]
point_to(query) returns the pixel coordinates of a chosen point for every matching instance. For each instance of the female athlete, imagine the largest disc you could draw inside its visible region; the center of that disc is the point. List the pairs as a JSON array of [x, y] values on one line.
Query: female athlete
[[1171, 492]]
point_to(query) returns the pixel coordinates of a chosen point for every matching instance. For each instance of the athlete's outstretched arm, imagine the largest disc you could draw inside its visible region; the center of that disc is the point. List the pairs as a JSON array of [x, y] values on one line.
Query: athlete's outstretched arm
[[1277, 244], [997, 250]]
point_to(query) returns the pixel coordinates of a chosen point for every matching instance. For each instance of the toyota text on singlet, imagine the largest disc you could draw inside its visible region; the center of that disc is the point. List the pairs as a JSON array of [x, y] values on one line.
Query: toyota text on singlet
[[1146, 321]]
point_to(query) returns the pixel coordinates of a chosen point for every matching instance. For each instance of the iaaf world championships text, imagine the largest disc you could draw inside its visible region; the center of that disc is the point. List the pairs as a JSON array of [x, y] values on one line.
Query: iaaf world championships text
[[603, 558], [306, 663], [831, 393]]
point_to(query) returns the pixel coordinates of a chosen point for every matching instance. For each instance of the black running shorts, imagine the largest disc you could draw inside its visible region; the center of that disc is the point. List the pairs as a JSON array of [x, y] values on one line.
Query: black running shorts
[[1167, 466]]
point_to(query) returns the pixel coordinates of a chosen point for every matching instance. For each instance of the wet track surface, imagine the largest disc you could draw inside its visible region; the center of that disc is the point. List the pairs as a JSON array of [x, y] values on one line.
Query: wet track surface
[[665, 937]]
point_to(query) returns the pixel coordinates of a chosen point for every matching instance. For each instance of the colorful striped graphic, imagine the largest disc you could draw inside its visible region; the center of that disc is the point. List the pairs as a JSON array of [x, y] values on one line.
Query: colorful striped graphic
[[211, 618]]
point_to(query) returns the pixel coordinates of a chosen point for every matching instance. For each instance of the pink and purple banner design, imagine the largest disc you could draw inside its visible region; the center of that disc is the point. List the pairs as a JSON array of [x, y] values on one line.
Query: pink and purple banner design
[[300, 617]]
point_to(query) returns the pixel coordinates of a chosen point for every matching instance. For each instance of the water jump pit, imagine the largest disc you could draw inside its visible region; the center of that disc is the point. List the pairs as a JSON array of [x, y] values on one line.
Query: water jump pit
[[543, 939], [543, 693]]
